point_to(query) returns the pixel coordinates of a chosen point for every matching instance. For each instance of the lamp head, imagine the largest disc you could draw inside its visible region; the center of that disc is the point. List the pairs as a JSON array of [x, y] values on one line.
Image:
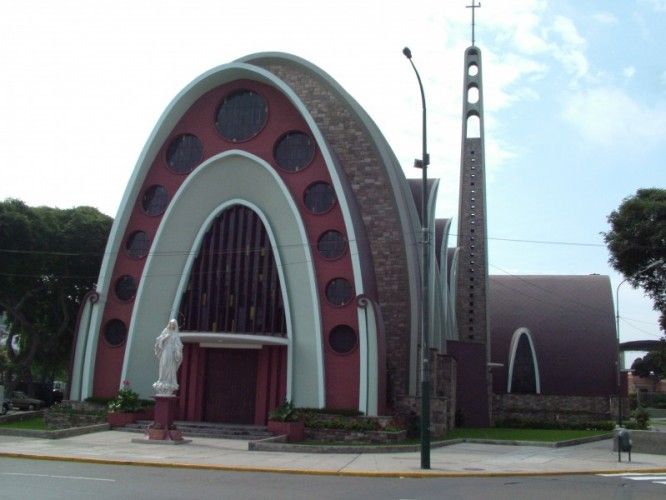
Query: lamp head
[[407, 52]]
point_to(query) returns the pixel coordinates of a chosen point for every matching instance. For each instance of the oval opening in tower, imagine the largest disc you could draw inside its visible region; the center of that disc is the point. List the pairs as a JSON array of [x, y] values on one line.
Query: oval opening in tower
[[473, 127], [473, 69], [473, 94]]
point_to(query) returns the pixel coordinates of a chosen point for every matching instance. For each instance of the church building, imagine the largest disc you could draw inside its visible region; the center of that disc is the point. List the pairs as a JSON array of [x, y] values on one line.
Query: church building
[[269, 216]]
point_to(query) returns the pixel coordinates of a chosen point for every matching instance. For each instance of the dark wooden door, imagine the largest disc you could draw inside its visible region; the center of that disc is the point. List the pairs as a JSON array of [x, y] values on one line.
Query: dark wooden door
[[231, 381]]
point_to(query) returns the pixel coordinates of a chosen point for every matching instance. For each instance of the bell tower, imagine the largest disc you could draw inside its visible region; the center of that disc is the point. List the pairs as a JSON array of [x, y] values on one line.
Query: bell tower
[[472, 284], [472, 275]]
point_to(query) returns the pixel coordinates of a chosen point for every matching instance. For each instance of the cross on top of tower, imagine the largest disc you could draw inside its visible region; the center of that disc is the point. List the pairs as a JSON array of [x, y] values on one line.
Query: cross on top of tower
[[473, 7]]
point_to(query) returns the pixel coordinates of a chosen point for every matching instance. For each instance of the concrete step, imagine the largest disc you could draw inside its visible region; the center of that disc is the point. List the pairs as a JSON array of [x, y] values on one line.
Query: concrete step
[[208, 429]]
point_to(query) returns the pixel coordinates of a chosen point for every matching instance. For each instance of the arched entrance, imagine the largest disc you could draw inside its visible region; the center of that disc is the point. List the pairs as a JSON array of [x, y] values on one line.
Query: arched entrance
[[523, 365], [233, 322]]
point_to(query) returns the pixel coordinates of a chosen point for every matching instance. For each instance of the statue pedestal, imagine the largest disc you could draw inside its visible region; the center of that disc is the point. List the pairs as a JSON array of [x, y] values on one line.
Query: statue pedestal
[[163, 427]]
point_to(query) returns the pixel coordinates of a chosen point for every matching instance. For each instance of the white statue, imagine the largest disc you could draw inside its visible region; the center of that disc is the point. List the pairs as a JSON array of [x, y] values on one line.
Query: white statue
[[169, 352]]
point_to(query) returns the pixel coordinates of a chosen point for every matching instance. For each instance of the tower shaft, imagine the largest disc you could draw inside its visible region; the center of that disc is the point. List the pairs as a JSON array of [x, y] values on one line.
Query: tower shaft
[[472, 276]]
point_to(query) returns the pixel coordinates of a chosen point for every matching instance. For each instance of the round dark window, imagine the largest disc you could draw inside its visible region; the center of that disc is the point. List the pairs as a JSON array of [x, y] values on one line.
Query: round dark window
[[342, 339], [125, 287], [115, 333], [319, 197], [155, 200], [241, 115], [339, 291], [294, 151], [138, 245], [331, 244], [184, 153]]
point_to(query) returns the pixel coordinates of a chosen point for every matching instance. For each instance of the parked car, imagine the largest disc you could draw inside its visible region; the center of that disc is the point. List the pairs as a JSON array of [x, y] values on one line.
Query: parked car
[[22, 402]]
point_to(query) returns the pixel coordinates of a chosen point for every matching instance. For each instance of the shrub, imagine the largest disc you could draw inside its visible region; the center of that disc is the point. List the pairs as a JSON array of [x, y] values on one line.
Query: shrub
[[99, 401], [642, 417], [285, 412], [331, 411], [126, 401]]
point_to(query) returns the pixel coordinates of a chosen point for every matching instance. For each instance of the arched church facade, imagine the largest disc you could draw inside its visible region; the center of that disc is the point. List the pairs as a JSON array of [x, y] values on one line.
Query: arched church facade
[[269, 216]]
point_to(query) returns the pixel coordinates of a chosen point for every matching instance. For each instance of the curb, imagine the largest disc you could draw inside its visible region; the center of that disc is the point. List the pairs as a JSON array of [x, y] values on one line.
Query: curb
[[322, 472]]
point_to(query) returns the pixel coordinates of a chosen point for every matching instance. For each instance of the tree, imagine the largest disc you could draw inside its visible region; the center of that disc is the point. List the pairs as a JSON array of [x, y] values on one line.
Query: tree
[[637, 239], [653, 363], [49, 259]]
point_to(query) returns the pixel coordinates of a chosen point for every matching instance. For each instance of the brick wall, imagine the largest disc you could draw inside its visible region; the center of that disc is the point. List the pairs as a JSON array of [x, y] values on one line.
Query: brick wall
[[374, 196], [539, 407]]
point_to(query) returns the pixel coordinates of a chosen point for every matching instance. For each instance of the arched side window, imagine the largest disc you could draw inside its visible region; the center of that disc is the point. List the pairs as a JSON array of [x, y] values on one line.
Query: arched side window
[[523, 377]]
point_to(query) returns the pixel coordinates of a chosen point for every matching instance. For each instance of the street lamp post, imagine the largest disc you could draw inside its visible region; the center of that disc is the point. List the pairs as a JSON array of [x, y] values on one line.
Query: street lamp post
[[425, 352], [617, 333]]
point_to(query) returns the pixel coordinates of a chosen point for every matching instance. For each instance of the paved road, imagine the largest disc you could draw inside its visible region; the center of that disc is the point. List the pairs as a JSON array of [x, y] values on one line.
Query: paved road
[[37, 479]]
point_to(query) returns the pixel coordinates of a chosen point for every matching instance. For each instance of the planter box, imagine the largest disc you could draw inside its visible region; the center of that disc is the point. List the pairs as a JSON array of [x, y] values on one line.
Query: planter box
[[121, 419], [295, 431]]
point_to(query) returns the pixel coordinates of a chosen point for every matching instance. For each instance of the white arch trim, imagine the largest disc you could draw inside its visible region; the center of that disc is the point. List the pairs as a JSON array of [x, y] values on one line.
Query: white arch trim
[[515, 339], [232, 177]]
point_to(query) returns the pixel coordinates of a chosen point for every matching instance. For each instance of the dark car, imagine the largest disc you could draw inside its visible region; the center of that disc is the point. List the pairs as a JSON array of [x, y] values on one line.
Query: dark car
[[22, 402]]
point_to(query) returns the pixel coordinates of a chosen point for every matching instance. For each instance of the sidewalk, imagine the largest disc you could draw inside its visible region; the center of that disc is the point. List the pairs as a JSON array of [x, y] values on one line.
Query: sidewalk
[[465, 459]]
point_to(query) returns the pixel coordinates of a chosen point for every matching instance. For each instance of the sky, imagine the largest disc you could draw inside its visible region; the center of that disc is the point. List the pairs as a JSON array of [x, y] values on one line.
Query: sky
[[574, 93]]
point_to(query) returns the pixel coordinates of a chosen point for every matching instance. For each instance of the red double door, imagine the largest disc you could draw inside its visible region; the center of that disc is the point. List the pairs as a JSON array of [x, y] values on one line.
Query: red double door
[[231, 386]]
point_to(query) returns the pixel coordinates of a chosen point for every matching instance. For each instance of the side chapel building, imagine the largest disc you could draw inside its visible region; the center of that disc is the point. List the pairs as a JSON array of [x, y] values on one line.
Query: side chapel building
[[270, 217]]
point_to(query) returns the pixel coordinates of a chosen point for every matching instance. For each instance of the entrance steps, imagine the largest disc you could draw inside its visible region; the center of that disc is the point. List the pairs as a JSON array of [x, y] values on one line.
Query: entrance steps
[[208, 429]]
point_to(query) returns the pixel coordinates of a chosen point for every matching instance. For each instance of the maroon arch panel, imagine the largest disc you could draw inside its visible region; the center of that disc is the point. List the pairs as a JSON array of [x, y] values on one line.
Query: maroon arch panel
[[342, 370]]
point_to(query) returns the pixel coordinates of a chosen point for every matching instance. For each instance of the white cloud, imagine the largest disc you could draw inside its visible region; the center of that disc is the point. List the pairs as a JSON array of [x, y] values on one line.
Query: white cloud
[[569, 50], [605, 18], [629, 72], [608, 116]]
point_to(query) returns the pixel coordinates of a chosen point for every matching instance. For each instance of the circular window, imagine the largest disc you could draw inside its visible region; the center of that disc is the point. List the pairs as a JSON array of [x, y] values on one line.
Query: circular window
[[125, 288], [241, 115], [342, 339], [331, 244], [339, 291], [319, 197], [184, 153], [294, 151], [155, 200], [115, 333], [138, 245]]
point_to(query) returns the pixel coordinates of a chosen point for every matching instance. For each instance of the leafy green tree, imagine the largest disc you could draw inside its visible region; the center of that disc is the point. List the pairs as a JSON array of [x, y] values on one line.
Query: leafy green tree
[[49, 259], [653, 363], [637, 239]]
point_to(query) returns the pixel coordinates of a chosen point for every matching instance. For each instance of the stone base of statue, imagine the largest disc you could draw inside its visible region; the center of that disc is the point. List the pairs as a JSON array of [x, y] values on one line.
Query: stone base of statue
[[163, 430]]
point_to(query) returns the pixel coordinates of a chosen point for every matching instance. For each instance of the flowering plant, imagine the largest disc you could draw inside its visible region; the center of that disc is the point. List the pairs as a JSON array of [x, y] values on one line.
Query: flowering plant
[[127, 400]]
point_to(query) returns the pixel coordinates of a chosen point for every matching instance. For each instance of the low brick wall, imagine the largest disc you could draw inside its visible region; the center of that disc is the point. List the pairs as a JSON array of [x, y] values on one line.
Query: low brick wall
[[345, 436], [546, 408]]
